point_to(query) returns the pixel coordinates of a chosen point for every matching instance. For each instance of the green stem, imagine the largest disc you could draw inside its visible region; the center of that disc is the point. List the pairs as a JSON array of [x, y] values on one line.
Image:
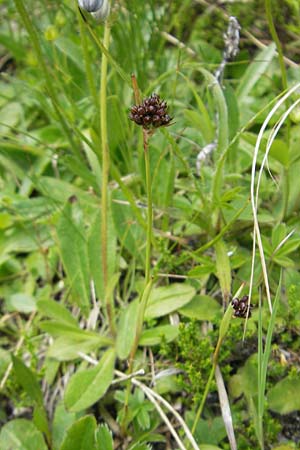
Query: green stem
[[286, 192], [275, 38], [148, 279], [146, 136], [268, 7], [48, 78], [207, 387], [104, 184], [87, 60]]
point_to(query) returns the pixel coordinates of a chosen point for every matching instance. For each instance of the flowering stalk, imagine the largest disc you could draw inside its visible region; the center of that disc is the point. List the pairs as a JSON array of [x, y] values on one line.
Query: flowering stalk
[[150, 114], [104, 185]]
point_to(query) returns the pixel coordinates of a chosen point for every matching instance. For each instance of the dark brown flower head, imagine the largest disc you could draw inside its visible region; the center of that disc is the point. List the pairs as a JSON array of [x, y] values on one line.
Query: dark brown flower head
[[241, 307], [152, 113]]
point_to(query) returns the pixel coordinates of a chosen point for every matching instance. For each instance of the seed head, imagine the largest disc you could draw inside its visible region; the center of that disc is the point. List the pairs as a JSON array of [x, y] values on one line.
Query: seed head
[[152, 113], [241, 307]]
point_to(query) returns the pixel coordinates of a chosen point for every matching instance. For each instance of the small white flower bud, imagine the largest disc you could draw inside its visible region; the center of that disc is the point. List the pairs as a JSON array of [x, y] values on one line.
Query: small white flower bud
[[102, 13], [90, 5]]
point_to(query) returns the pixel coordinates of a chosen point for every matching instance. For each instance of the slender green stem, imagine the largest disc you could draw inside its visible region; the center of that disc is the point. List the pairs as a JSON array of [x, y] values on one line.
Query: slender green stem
[[285, 192], [268, 8], [105, 175], [149, 201], [87, 60], [275, 38], [48, 78], [148, 280], [207, 387], [205, 394]]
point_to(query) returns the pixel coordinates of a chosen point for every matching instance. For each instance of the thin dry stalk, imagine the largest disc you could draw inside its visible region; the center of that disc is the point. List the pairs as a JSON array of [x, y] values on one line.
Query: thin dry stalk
[[225, 408], [255, 197]]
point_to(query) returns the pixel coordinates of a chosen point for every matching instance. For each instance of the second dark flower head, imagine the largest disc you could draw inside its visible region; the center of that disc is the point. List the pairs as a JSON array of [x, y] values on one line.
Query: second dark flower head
[[152, 113]]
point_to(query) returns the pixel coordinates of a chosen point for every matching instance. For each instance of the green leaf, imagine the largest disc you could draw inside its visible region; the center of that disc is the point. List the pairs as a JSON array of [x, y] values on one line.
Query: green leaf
[[283, 398], [130, 233], [72, 51], [21, 302], [280, 152], [60, 191], [21, 434], [254, 72], [62, 420], [221, 106], [126, 329], [223, 269], [73, 248], [4, 361], [95, 252], [154, 336], [27, 379], [56, 328], [201, 307], [72, 340], [104, 440], [55, 310], [164, 300], [88, 386], [81, 435]]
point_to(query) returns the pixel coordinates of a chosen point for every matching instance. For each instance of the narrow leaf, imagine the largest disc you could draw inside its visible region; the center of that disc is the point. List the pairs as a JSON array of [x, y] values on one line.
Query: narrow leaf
[[57, 311]]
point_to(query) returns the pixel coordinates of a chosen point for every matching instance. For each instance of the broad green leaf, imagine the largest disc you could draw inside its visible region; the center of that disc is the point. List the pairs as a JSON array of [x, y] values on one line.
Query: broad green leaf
[[127, 329], [95, 244], [21, 434], [27, 379], [254, 72], [283, 398], [21, 302], [81, 435], [72, 340], [164, 300], [60, 191], [67, 348], [56, 310], [73, 248], [87, 386], [201, 307], [62, 420], [154, 336], [104, 440]]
